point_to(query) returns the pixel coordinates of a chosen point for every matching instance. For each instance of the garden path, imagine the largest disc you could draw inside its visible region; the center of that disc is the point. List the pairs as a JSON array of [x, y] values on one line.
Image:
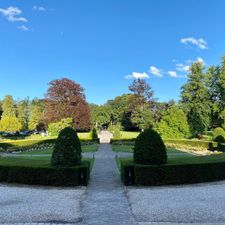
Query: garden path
[[106, 201]]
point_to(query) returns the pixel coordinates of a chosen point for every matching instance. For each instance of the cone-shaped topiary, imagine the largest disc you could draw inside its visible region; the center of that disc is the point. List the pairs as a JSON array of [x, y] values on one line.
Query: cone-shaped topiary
[[67, 149], [149, 148], [94, 134]]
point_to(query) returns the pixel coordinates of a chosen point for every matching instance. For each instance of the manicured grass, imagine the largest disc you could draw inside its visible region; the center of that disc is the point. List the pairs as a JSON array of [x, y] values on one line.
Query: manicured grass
[[122, 148], [128, 134], [85, 148], [31, 161], [183, 159], [129, 148]]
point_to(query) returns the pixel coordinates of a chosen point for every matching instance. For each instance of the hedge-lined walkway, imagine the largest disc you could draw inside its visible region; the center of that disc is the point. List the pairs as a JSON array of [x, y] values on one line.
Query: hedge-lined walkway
[[106, 202]]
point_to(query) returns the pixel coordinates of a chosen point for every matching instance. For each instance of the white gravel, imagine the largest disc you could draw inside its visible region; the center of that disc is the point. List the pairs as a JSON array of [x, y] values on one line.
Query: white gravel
[[203, 203], [40, 204]]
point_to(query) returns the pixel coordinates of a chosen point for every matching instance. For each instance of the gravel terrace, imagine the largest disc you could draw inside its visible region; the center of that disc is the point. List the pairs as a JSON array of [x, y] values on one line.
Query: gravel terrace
[[20, 203], [199, 203]]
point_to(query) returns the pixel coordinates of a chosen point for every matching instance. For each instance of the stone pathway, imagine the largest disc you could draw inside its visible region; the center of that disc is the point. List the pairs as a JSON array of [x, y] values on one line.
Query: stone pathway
[[106, 202]]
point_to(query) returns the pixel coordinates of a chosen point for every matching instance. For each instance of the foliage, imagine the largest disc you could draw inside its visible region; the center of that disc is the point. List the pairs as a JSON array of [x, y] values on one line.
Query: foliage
[[23, 113], [35, 117], [39, 172], [176, 173], [64, 99], [10, 124], [94, 134], [142, 117], [55, 128], [67, 149], [195, 99], [100, 115], [115, 130], [173, 124], [219, 135], [149, 148], [8, 106]]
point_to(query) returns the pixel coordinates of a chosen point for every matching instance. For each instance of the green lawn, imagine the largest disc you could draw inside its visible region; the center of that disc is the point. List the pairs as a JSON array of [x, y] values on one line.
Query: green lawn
[[31, 161], [85, 148], [184, 159], [128, 134]]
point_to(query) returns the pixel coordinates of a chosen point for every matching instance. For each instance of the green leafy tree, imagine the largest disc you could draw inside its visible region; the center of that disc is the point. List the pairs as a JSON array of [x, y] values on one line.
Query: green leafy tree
[[174, 124], [35, 116], [195, 99], [141, 104], [8, 106], [100, 115], [55, 128], [142, 117], [23, 113], [10, 124]]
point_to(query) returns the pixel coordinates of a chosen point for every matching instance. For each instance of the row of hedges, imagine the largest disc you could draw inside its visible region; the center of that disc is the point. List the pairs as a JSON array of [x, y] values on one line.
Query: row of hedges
[[195, 145], [135, 174], [24, 145], [53, 176]]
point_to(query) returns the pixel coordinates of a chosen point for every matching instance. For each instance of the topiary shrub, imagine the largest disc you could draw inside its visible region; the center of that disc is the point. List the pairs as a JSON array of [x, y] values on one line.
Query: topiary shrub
[[149, 148], [94, 134], [67, 149], [219, 135]]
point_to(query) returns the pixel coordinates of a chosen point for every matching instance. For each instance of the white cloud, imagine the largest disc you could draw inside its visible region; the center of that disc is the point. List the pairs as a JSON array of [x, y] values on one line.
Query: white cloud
[[201, 60], [136, 75], [153, 70], [39, 8], [172, 74], [12, 13], [200, 43], [22, 27], [182, 67]]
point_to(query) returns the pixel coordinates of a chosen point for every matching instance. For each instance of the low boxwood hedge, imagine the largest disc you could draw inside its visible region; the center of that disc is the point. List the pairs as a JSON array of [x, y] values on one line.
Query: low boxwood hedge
[[53, 176], [152, 175], [24, 145]]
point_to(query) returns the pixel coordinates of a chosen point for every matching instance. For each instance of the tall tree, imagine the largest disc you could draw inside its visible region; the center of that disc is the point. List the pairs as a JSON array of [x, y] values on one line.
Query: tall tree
[[65, 99], [35, 116], [9, 122], [195, 99], [141, 104], [8, 106], [23, 113], [174, 124]]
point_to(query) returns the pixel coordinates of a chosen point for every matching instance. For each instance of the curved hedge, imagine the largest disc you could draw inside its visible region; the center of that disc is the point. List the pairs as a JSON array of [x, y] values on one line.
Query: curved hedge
[[53, 176], [152, 175]]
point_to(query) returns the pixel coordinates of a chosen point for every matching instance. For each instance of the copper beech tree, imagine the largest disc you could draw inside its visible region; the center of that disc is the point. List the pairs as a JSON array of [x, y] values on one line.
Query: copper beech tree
[[64, 99]]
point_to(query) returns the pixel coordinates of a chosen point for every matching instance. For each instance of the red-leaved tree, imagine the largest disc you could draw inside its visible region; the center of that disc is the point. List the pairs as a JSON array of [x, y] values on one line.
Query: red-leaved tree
[[64, 99]]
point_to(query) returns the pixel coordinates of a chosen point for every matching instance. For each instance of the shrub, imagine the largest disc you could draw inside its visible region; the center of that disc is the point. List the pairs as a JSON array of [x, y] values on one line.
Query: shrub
[[149, 148], [116, 133], [171, 174], [94, 134], [67, 149], [55, 128], [219, 135], [54, 176]]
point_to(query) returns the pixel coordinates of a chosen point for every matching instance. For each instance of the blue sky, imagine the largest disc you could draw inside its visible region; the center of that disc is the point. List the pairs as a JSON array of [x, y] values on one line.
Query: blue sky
[[103, 44]]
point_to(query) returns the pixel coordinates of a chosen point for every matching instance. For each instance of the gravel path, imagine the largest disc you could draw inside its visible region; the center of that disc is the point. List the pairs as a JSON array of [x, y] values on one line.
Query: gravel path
[[200, 203], [40, 204]]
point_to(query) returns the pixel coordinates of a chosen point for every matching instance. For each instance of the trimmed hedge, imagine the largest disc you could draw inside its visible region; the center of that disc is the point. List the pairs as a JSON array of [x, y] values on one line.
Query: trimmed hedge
[[53, 176], [24, 145], [153, 175], [195, 145]]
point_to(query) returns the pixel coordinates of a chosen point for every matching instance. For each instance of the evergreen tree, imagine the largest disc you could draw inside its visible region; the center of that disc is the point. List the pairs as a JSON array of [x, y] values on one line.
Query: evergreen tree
[[195, 99]]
